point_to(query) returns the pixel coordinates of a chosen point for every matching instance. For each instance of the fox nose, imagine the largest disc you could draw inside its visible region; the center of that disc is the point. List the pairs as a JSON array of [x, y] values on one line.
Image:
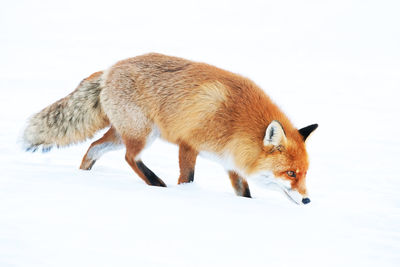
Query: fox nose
[[306, 200]]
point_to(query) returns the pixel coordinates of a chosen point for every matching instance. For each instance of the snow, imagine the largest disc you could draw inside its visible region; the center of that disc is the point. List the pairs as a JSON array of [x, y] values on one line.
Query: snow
[[335, 63]]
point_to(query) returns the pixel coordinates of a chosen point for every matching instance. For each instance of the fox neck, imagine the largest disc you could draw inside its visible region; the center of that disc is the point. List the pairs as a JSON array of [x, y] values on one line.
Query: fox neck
[[227, 160], [240, 156]]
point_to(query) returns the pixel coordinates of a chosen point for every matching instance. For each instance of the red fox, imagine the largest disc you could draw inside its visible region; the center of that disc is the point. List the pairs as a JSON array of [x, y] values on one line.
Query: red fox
[[199, 107]]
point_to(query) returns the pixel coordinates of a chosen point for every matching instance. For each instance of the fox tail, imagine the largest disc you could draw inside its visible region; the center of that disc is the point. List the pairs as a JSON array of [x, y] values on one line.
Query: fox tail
[[70, 120]]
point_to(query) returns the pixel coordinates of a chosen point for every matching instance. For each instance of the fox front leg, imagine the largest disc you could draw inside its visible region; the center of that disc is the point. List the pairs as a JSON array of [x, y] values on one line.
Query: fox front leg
[[187, 161], [239, 184]]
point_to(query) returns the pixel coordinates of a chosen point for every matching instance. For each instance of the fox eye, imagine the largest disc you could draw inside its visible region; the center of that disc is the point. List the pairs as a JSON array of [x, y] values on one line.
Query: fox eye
[[291, 174]]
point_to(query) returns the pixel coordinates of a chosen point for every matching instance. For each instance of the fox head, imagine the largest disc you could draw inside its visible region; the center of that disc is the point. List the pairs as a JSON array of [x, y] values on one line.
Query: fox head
[[284, 154]]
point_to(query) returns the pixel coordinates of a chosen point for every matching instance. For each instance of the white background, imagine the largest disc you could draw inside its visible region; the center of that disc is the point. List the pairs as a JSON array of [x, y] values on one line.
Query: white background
[[336, 63]]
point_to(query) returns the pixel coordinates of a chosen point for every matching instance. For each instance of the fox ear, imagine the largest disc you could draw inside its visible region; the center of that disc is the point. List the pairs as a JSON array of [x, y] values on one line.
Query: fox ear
[[275, 135], [306, 131]]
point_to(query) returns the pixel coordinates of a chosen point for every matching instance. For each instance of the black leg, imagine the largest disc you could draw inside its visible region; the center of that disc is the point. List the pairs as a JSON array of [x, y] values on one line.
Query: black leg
[[151, 177], [239, 184]]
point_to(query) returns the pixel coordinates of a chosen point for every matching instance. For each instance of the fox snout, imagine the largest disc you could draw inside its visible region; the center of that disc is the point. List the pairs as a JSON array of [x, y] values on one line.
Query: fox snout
[[299, 195], [295, 196]]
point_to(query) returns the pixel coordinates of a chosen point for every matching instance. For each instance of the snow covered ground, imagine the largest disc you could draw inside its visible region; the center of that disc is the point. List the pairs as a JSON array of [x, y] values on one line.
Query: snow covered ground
[[336, 63]]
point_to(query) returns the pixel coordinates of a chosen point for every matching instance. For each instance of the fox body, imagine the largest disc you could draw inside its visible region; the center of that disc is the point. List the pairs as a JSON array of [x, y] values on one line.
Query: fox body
[[201, 108]]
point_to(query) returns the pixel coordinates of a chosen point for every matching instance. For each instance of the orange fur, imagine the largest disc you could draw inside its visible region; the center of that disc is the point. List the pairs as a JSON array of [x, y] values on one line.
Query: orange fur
[[187, 161]]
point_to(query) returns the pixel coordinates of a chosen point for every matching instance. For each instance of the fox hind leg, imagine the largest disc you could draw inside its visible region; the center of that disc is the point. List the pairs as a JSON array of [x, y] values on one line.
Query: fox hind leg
[[187, 161], [133, 148], [111, 140], [239, 184], [136, 129]]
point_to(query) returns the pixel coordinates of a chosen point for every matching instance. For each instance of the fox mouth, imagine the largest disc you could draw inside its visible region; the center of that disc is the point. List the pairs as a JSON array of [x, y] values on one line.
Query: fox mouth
[[291, 194], [295, 196], [281, 185]]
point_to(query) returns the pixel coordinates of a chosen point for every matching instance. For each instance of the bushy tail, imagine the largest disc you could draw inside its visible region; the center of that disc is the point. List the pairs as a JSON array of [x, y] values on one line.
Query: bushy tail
[[70, 120]]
